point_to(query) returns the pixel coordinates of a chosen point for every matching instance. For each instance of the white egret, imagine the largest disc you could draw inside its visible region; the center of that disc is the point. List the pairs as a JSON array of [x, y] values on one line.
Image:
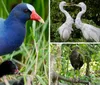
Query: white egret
[[89, 32], [65, 29]]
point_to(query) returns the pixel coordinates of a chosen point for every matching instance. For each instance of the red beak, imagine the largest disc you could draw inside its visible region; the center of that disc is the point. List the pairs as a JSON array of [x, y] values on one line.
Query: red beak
[[36, 17], [17, 71]]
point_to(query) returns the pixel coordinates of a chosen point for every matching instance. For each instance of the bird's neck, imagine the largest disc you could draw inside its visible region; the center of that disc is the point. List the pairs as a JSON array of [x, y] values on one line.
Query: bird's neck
[[14, 19], [80, 14], [66, 13], [78, 21]]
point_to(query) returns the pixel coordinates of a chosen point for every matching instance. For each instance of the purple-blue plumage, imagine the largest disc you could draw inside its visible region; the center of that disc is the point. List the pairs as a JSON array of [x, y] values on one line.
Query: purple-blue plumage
[[11, 36], [12, 30]]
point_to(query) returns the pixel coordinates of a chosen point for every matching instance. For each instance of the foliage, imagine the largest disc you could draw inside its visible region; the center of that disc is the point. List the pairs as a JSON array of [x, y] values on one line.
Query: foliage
[[89, 52], [34, 51], [58, 18]]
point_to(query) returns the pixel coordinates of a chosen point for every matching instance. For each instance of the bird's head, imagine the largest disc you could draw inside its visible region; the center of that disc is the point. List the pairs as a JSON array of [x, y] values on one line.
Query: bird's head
[[25, 12], [9, 67], [81, 4], [63, 3], [76, 48]]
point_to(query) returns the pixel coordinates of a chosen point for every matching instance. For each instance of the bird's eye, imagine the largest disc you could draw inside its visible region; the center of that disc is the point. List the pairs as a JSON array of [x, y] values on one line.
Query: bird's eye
[[25, 10]]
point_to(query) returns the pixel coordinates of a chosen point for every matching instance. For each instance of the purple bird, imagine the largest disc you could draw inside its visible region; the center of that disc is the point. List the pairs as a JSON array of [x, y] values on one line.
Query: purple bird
[[12, 30]]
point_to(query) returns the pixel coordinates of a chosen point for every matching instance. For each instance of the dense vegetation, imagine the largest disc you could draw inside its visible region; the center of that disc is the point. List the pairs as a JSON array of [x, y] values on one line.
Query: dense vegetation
[[92, 16], [89, 72], [32, 57]]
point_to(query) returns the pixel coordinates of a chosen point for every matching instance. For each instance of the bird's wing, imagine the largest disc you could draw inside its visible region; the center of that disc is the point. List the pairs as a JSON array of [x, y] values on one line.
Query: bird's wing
[[65, 31], [69, 23], [1, 23], [66, 34], [91, 32], [2, 41], [60, 30], [97, 31], [2, 26]]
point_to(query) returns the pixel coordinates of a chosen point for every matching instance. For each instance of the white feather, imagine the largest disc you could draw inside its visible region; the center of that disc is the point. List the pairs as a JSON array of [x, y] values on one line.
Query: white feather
[[65, 29], [30, 7], [89, 32]]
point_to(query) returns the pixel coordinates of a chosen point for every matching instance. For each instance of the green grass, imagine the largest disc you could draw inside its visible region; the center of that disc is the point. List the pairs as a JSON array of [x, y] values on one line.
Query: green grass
[[62, 65], [34, 50]]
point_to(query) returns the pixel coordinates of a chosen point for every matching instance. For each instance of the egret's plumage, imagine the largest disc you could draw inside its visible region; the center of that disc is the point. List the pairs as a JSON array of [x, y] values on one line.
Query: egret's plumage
[[65, 29], [89, 32]]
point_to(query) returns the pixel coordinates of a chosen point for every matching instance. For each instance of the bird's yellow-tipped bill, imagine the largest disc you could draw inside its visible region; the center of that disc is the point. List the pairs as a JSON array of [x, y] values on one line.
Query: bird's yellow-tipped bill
[[41, 20], [36, 17]]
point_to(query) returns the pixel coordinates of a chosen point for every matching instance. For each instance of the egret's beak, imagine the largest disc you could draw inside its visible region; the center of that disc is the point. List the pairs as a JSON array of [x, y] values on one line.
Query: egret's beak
[[75, 4], [69, 4]]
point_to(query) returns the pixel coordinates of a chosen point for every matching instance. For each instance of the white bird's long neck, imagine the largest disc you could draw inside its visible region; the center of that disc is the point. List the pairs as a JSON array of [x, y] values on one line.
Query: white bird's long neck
[[78, 21], [80, 14], [66, 13]]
